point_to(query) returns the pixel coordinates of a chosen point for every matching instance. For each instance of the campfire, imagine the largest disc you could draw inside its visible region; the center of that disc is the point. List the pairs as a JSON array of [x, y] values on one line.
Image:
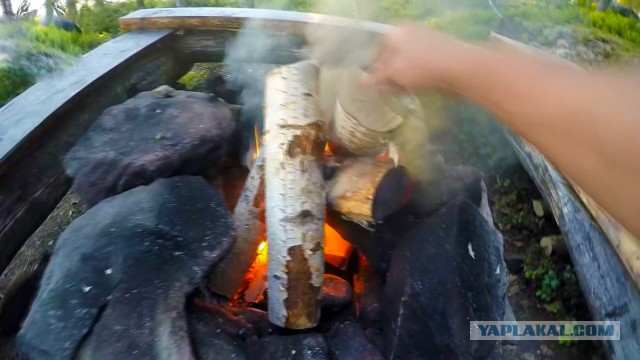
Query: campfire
[[337, 250], [297, 164], [324, 243]]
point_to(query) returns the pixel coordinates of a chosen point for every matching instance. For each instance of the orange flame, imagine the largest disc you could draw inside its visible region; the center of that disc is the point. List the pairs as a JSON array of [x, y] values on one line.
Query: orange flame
[[262, 247], [336, 249], [327, 149]]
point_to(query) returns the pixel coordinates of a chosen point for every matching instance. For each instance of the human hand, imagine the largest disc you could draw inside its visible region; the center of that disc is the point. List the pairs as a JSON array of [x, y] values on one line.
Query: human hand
[[414, 57]]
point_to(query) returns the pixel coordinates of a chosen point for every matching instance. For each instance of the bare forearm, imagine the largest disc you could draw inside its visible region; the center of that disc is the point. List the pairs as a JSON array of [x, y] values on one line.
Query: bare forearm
[[586, 124]]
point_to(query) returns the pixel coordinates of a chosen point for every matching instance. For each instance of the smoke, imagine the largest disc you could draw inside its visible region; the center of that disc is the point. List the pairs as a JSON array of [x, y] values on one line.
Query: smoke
[[336, 49]]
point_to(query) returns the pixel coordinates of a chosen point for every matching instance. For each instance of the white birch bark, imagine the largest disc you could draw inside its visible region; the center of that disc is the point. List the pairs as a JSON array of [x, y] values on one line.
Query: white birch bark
[[294, 195]]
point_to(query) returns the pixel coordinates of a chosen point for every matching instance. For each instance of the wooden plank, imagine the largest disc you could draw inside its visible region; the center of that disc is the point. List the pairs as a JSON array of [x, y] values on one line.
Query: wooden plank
[[232, 19], [203, 46], [606, 285], [627, 246], [38, 127]]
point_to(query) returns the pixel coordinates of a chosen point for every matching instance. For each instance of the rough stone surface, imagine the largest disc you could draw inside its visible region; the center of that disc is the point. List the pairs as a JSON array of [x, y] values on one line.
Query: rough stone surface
[[454, 182], [347, 341], [375, 335], [294, 347], [207, 339], [121, 273], [445, 272], [336, 293], [258, 319], [222, 318], [146, 138]]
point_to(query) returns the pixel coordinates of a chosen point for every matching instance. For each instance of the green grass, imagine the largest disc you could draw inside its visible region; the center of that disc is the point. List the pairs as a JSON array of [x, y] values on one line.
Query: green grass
[[29, 51]]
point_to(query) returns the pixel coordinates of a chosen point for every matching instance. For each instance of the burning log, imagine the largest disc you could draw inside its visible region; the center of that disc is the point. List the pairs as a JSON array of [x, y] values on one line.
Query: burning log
[[366, 190], [229, 273], [294, 196]]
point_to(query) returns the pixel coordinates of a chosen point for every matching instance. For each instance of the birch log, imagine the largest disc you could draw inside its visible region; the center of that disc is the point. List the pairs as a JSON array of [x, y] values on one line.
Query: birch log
[[230, 272], [294, 195]]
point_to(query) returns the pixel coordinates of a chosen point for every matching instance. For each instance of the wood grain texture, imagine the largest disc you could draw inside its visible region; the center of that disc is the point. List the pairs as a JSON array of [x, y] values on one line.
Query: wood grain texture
[[38, 127], [204, 46], [606, 285], [233, 18]]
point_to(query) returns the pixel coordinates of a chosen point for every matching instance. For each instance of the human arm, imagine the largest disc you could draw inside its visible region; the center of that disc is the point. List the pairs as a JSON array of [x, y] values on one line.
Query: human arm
[[586, 123]]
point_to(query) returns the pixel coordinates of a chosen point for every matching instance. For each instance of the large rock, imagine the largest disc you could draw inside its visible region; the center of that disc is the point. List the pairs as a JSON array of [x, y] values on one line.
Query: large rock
[[119, 274], [210, 341], [347, 341], [294, 347], [156, 134], [445, 272]]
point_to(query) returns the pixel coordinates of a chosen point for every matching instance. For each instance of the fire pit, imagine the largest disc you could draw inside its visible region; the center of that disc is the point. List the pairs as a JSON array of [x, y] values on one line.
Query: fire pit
[[217, 230]]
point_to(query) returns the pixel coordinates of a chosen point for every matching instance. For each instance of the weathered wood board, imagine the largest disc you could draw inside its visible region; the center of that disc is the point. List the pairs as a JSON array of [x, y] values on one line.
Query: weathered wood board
[[207, 18]]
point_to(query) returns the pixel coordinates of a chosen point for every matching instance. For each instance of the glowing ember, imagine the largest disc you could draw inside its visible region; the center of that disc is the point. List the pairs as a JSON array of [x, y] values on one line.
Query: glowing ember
[[262, 246]]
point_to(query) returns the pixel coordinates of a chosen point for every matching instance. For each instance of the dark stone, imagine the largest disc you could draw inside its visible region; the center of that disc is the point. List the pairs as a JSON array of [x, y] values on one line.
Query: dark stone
[[347, 341], [369, 287], [209, 340], [336, 293], [258, 319], [120, 274], [150, 136], [224, 320], [446, 272], [293, 347], [375, 335], [393, 192], [454, 182]]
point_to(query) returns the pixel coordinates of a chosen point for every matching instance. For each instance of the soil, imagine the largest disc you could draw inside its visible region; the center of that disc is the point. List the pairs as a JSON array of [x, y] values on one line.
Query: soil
[[522, 231]]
